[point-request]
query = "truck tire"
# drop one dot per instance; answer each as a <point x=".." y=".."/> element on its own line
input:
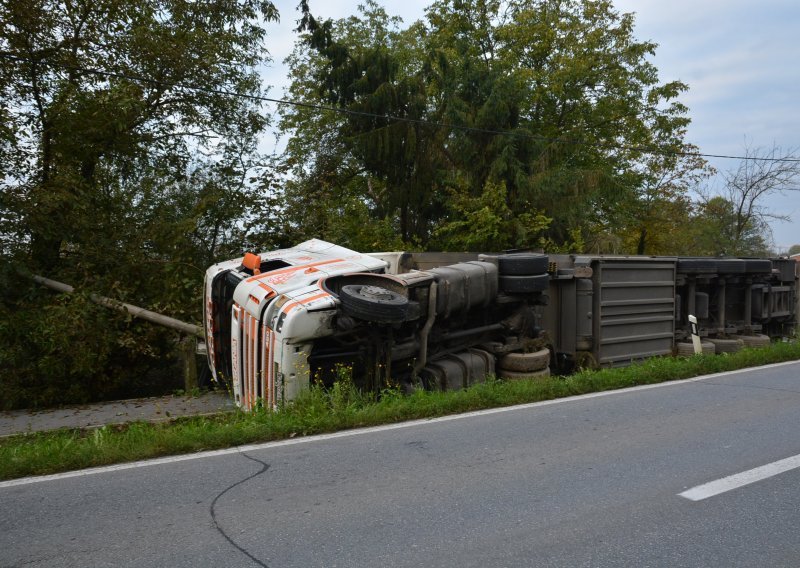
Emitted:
<point x="730" y="266"/>
<point x="373" y="303"/>
<point x="525" y="362"/>
<point x="524" y="284"/>
<point x="518" y="376"/>
<point x="727" y="345"/>
<point x="522" y="264"/>
<point x="758" y="340"/>
<point x="757" y="266"/>
<point x="696" y="266"/>
<point x="686" y="348"/>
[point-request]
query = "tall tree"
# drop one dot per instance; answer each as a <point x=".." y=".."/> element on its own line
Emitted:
<point x="378" y="74"/>
<point x="761" y="174"/>
<point x="716" y="231"/>
<point x="555" y="101"/>
<point x="655" y="220"/>
<point x="126" y="170"/>
<point x="94" y="93"/>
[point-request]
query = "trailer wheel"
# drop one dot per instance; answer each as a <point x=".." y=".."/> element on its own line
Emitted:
<point x="373" y="303"/>
<point x="525" y="362"/>
<point x="686" y="348"/>
<point x="727" y="345"/>
<point x="519" y="375"/>
<point x="522" y="264"/>
<point x="758" y="340"/>
<point x="730" y="266"/>
<point x="696" y="266"/>
<point x="524" y="284"/>
<point x="757" y="266"/>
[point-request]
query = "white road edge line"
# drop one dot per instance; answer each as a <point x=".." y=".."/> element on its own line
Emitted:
<point x="732" y="482"/>
<point x="370" y="430"/>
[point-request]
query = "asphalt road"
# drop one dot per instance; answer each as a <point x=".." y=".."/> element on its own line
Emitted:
<point x="594" y="481"/>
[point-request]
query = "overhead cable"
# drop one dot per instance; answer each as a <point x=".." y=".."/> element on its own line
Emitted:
<point x="652" y="150"/>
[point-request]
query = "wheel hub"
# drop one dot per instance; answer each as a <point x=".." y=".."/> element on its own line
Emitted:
<point x="376" y="293"/>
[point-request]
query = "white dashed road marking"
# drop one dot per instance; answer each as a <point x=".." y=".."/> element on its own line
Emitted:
<point x="741" y="479"/>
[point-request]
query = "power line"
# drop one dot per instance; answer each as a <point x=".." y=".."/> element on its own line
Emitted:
<point x="363" y="114"/>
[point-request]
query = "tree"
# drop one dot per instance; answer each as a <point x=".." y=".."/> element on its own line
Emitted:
<point x="94" y="95"/>
<point x="794" y="249"/>
<point x="715" y="231"/>
<point x="126" y="171"/>
<point x="377" y="74"/>
<point x="656" y="220"/>
<point x="762" y="173"/>
<point x="330" y="191"/>
<point x="554" y="101"/>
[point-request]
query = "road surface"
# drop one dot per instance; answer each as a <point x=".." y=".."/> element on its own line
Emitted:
<point x="699" y="473"/>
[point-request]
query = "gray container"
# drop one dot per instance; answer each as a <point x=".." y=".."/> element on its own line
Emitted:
<point x="463" y="286"/>
<point x="459" y="370"/>
<point x="634" y="309"/>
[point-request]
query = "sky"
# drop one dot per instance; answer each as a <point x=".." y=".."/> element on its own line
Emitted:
<point x="741" y="60"/>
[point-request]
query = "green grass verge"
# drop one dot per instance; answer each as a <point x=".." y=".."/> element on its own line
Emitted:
<point x="338" y="409"/>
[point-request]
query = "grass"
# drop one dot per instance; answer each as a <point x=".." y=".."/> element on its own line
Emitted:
<point x="339" y="408"/>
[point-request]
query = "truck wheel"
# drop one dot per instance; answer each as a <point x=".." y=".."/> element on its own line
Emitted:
<point x="754" y="340"/>
<point x="518" y="376"/>
<point x="696" y="266"/>
<point x="686" y="348"/>
<point x="727" y="345"/>
<point x="730" y="266"/>
<point x="524" y="284"/>
<point x="525" y="362"/>
<point x="757" y="266"/>
<point x="522" y="264"/>
<point x="373" y="303"/>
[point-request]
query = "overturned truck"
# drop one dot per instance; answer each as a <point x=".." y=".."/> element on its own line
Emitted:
<point x="280" y="321"/>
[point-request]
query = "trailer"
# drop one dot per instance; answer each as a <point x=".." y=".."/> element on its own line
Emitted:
<point x="280" y="321"/>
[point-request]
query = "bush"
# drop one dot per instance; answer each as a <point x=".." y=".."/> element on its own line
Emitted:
<point x="64" y="349"/>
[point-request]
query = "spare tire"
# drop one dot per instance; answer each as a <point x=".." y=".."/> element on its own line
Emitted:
<point x="373" y="303"/>
<point x="524" y="284"/>
<point x="525" y="362"/>
<point x="522" y="263"/>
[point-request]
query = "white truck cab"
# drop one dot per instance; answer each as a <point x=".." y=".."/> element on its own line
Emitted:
<point x="262" y="311"/>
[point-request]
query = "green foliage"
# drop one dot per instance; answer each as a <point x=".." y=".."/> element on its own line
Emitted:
<point x="716" y="231"/>
<point x="486" y="223"/>
<point x="124" y="187"/>
<point x="76" y="351"/>
<point x="548" y="100"/>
